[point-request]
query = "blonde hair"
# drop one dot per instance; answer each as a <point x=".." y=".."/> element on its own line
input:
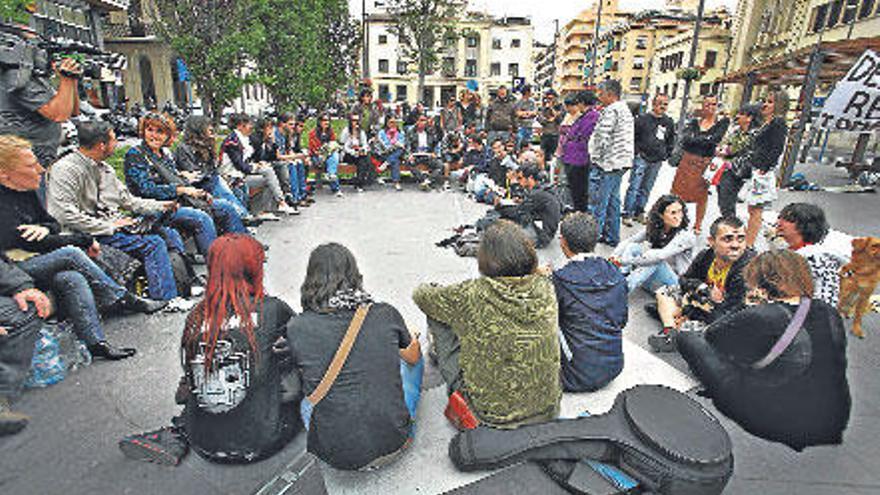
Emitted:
<point x="9" y="146"/>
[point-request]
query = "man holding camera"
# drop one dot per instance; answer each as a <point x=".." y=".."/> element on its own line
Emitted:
<point x="712" y="287"/>
<point x="30" y="106"/>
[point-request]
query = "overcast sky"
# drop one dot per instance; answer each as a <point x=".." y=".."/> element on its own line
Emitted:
<point x="544" y="12"/>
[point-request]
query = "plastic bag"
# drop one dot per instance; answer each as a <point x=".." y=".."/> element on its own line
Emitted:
<point x="56" y="353"/>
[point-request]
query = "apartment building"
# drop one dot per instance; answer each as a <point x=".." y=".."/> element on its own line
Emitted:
<point x="574" y="51"/>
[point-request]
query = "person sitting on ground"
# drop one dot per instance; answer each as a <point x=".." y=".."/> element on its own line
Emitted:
<point x="368" y="416"/>
<point x="233" y="407"/>
<point x="150" y="172"/>
<point x="495" y="337"/>
<point x="196" y="159"/>
<point x="356" y="151"/>
<point x="712" y="287"/>
<point x="324" y="152"/>
<point x="85" y="196"/>
<point x="392" y="144"/>
<point x="802" y="397"/>
<point x="656" y="256"/>
<point x="245" y="176"/>
<point x="452" y="149"/>
<point x="422" y="147"/>
<point x="539" y="204"/>
<point x="803" y="228"/>
<point x="58" y="262"/>
<point x="23" y="308"/>
<point x="591" y="293"/>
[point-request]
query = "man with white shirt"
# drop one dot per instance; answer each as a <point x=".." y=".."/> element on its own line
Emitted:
<point x="611" y="154"/>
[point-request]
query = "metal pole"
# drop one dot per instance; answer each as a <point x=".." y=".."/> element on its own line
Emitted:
<point x="366" y="40"/>
<point x="596" y="42"/>
<point x="807" y="92"/>
<point x="682" y="117"/>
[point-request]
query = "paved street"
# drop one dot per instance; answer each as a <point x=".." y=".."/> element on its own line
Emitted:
<point x="70" y="446"/>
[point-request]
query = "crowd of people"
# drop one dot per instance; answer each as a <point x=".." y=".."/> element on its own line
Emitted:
<point x="508" y="344"/>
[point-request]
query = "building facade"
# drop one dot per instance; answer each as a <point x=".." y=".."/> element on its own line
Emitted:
<point x="489" y="53"/>
<point x="671" y="56"/>
<point x="574" y="53"/>
<point x="543" y="65"/>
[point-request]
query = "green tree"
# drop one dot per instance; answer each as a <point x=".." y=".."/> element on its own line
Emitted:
<point x="421" y="26"/>
<point x="214" y="37"/>
<point x="305" y="51"/>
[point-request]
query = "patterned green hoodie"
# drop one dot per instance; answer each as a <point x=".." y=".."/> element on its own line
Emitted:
<point x="509" y="344"/>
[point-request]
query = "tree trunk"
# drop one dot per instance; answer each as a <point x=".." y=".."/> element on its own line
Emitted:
<point x="420" y="89"/>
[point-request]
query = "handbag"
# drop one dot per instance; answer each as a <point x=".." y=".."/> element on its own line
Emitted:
<point x="340" y="357"/>
<point x="785" y="340"/>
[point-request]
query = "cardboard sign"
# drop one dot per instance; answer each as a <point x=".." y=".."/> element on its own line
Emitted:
<point x="854" y="104"/>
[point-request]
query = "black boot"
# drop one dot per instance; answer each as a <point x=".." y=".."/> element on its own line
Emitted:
<point x="10" y="422"/>
<point x="130" y="303"/>
<point x="106" y="351"/>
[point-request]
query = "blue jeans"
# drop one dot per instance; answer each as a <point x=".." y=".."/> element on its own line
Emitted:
<point x="152" y="250"/>
<point x="641" y="181"/>
<point x="79" y="286"/>
<point x="393" y="160"/>
<point x="17" y="347"/>
<point x="197" y="223"/>
<point x="523" y="136"/>
<point x="297" y="171"/>
<point x="411" y="376"/>
<point x="226" y="217"/>
<point x="607" y="205"/>
<point x="651" y="277"/>
<point x="220" y="189"/>
<point x="331" y="165"/>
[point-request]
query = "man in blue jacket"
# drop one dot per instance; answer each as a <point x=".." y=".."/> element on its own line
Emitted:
<point x="592" y="297"/>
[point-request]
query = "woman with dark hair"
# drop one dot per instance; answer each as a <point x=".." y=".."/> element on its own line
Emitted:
<point x="735" y="153"/>
<point x="391" y="144"/>
<point x="698" y="142"/>
<point x="767" y="147"/>
<point x="356" y="149"/>
<point x="324" y="152"/>
<point x="495" y="336"/>
<point x="368" y="415"/>
<point x="234" y="411"/>
<point x="777" y="368"/>
<point x="196" y="159"/>
<point x="573" y="148"/>
<point x="658" y="255"/>
<point x="803" y="228"/>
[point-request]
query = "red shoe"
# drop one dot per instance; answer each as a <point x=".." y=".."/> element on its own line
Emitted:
<point x="459" y="413"/>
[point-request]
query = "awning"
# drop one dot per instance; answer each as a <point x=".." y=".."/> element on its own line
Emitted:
<point x="791" y="68"/>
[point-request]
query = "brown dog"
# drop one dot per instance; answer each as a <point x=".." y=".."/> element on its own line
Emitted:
<point x="858" y="279"/>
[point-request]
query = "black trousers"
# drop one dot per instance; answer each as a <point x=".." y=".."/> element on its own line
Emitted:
<point x="17" y="347"/>
<point x="728" y="190"/>
<point x="365" y="170"/>
<point x="549" y="143"/>
<point x="579" y="185"/>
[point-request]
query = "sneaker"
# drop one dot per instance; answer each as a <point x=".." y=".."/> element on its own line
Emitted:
<point x="268" y="216"/>
<point x="339" y="194"/>
<point x="425" y="185"/>
<point x="628" y="221"/>
<point x="11" y="422"/>
<point x="359" y="189"/>
<point x="196" y="291"/>
<point x="251" y="221"/>
<point x="380" y="181"/>
<point x="180" y="305"/>
<point x="640" y="218"/>
<point x="446" y="186"/>
<point x="397" y="186"/>
<point x="662" y="341"/>
<point x="163" y="446"/>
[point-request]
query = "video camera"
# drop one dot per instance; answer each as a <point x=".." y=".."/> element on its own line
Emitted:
<point x="34" y="56"/>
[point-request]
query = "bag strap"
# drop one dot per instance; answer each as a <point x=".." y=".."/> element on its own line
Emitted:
<point x="340" y="357"/>
<point x="794" y="326"/>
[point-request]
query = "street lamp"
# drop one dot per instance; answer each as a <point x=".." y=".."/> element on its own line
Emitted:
<point x="682" y="118"/>
<point x="596" y="41"/>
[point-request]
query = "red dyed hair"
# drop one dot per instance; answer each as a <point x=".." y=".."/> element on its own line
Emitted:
<point x="235" y="288"/>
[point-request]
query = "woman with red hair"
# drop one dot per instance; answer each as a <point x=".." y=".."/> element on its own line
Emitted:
<point x="231" y="390"/>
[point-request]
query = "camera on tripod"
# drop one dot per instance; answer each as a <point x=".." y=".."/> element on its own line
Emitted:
<point x="90" y="58"/>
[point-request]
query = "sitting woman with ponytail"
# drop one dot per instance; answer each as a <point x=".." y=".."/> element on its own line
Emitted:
<point x="234" y="411"/>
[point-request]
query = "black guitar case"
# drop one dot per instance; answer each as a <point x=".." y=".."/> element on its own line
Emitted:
<point x="659" y="436"/>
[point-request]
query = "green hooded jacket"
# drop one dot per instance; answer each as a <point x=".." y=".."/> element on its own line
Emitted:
<point x="509" y="344"/>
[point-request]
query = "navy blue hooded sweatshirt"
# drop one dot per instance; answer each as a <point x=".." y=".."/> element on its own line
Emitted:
<point x="592" y="297"/>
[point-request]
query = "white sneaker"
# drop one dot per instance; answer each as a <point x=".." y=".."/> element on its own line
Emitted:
<point x="339" y="194"/>
<point x="180" y="305"/>
<point x="359" y="189"/>
<point x="288" y="210"/>
<point x="196" y="290"/>
<point x="380" y="181"/>
<point x="397" y="186"/>
<point x="268" y="216"/>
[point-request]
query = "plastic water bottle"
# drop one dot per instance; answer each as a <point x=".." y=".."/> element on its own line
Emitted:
<point x="47" y="367"/>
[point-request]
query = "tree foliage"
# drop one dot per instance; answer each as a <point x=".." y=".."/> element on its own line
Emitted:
<point x="214" y="37"/>
<point x="306" y="49"/>
<point x="421" y="26"/>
